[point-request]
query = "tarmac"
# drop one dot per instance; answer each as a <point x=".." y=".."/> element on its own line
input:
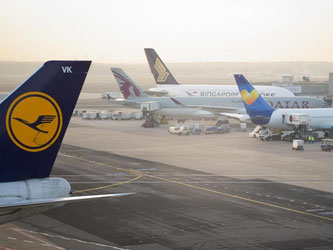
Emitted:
<point x="224" y="191"/>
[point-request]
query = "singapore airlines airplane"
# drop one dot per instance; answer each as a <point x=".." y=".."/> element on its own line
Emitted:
<point x="168" y="86"/>
<point x="33" y="122"/>
<point x="261" y="113"/>
<point x="202" y="107"/>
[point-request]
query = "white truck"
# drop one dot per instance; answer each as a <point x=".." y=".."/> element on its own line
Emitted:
<point x="298" y="145"/>
<point x="184" y="130"/>
<point x="174" y="129"/>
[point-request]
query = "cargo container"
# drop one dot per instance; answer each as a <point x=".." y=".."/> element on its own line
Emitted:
<point x="150" y="106"/>
<point x="296" y="119"/>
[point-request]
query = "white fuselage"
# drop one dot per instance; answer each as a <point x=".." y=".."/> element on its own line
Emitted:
<point x="319" y="119"/>
<point x="31" y="190"/>
<point x="171" y="109"/>
<point x="218" y="90"/>
<point x="186" y="113"/>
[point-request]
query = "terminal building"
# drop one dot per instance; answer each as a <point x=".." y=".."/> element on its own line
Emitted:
<point x="307" y="87"/>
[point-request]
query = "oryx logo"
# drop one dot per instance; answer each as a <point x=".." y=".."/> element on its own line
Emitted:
<point x="34" y="121"/>
<point x="161" y="70"/>
<point x="66" y="69"/>
<point x="126" y="87"/>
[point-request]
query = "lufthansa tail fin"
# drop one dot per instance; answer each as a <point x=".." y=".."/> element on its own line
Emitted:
<point x="257" y="108"/>
<point x="161" y="73"/>
<point x="129" y="89"/>
<point x="34" y="119"/>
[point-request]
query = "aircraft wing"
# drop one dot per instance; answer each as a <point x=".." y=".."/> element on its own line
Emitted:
<point x="239" y="117"/>
<point x="233" y="115"/>
<point x="215" y="109"/>
<point x="15" y="204"/>
<point x="157" y="93"/>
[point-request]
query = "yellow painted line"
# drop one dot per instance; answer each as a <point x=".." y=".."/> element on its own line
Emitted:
<point x="134" y="172"/>
<point x="240" y="197"/>
<point x="108" y="186"/>
<point x="131" y="171"/>
<point x="202" y="188"/>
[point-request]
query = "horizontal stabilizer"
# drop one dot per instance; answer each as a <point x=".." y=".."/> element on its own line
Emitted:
<point x="52" y="201"/>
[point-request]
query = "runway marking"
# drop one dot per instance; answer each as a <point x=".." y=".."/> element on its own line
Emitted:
<point x="315" y="210"/>
<point x="25" y="232"/>
<point x="326" y="213"/>
<point x="108" y="186"/>
<point x="133" y="172"/>
<point x="243" y="198"/>
<point x="6" y="248"/>
<point x="138" y="173"/>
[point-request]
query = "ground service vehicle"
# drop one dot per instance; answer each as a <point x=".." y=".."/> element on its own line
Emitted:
<point x="184" y="130"/>
<point x="298" y="145"/>
<point x="326" y="145"/>
<point x="268" y="135"/>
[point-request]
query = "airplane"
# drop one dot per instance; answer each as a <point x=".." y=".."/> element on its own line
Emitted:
<point x="167" y="85"/>
<point x="200" y="107"/>
<point x="261" y="113"/>
<point x="33" y="122"/>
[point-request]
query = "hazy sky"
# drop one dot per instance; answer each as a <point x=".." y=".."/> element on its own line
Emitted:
<point x="180" y="30"/>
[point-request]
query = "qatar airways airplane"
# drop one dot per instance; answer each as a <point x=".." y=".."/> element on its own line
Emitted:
<point x="168" y="86"/>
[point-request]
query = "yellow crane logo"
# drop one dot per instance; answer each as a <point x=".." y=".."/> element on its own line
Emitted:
<point x="34" y="121"/>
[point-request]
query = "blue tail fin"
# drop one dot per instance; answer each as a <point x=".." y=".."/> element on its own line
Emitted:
<point x="34" y="119"/>
<point x="129" y="88"/>
<point x="160" y="72"/>
<point x="257" y="108"/>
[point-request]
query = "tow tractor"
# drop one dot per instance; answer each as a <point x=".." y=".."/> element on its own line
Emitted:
<point x="267" y="135"/>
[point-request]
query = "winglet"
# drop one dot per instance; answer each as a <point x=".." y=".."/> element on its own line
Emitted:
<point x="160" y="72"/>
<point x="34" y="119"/>
<point x="257" y="108"/>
